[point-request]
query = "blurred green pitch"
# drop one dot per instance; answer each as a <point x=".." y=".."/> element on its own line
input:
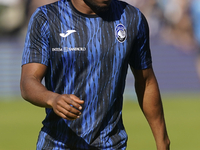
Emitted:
<point x="20" y="123"/>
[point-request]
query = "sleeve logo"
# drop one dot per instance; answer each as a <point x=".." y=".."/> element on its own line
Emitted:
<point x="120" y="33"/>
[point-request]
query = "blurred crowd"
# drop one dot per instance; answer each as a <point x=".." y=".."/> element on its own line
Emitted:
<point x="15" y="14"/>
<point x="170" y="19"/>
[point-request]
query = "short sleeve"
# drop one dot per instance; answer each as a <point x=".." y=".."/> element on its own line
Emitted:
<point x="36" y="48"/>
<point x="140" y="57"/>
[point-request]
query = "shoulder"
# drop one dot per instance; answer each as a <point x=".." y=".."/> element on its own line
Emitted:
<point x="46" y="12"/>
<point x="54" y="7"/>
<point x="127" y="11"/>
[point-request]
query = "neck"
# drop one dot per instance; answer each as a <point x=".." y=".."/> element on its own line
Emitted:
<point x="82" y="7"/>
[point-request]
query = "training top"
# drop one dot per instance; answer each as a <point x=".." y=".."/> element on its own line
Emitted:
<point x="88" y="56"/>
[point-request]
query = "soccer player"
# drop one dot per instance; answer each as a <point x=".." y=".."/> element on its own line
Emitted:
<point x="83" y="49"/>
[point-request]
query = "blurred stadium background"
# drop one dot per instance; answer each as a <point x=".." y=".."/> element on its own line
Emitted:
<point x="175" y="49"/>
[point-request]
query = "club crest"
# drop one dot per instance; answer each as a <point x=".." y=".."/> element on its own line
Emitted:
<point x="120" y="33"/>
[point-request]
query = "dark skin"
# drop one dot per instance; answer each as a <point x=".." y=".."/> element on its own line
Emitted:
<point x="149" y="98"/>
<point x="145" y="84"/>
<point x="31" y="77"/>
<point x="91" y="7"/>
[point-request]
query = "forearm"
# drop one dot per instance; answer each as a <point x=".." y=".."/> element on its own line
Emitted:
<point x="67" y="106"/>
<point x="36" y="93"/>
<point x="153" y="111"/>
<point x="151" y="105"/>
<point x="64" y="105"/>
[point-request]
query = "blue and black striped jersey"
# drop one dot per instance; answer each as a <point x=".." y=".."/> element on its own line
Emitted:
<point x="88" y="55"/>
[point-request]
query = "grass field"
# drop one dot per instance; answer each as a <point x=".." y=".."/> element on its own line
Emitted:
<point x="21" y="122"/>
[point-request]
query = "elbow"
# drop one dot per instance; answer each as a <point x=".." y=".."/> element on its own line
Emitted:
<point x="23" y="95"/>
<point x="23" y="91"/>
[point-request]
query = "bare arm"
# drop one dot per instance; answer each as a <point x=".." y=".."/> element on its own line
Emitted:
<point x="150" y="102"/>
<point x="34" y="92"/>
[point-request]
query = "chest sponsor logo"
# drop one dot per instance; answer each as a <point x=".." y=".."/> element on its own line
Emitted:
<point x="68" y="32"/>
<point x="69" y="49"/>
<point x="120" y="33"/>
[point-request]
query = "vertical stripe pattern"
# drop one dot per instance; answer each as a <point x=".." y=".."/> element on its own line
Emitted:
<point x="85" y="57"/>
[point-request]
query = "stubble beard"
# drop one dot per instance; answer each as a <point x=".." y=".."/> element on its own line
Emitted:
<point x="95" y="7"/>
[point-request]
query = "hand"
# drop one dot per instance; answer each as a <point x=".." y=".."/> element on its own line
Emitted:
<point x="67" y="106"/>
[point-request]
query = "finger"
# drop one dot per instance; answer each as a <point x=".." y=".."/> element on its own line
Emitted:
<point x="69" y="114"/>
<point x="66" y="117"/>
<point x="65" y="108"/>
<point x="74" y="101"/>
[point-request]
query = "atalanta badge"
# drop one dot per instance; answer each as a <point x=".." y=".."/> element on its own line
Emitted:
<point x="120" y="33"/>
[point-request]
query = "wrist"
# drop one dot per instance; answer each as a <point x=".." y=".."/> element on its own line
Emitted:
<point x="50" y="99"/>
<point x="164" y="144"/>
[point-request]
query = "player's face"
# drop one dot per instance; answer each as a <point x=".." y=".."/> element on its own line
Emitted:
<point x="98" y="5"/>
